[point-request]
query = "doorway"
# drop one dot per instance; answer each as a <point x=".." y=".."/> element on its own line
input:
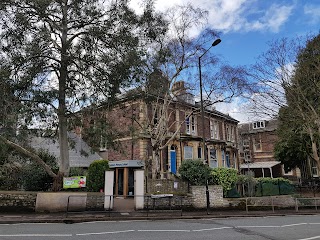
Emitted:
<point x="173" y="160"/>
<point x="124" y="182"/>
<point x="119" y="181"/>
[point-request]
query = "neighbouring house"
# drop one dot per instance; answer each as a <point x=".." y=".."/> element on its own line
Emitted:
<point x="256" y="150"/>
<point x="139" y="117"/>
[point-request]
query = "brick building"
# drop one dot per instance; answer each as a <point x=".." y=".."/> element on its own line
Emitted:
<point x="135" y="115"/>
<point x="256" y="149"/>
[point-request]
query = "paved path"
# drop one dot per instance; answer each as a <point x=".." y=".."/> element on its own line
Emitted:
<point x="123" y="204"/>
<point x="10" y="218"/>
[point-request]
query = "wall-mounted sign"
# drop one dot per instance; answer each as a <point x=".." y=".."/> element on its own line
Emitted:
<point x="126" y="163"/>
<point x="74" y="182"/>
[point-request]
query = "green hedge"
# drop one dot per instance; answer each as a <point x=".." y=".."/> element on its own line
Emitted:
<point x="225" y="177"/>
<point x="96" y="175"/>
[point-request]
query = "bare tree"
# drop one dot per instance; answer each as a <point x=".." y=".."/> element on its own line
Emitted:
<point x="175" y="58"/>
<point x="288" y="76"/>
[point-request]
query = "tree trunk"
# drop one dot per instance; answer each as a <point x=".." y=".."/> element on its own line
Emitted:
<point x="58" y="182"/>
<point x="314" y="149"/>
<point x="155" y="164"/>
<point x="63" y="132"/>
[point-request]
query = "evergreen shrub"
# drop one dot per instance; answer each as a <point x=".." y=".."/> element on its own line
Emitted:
<point x="194" y="171"/>
<point x="96" y="175"/>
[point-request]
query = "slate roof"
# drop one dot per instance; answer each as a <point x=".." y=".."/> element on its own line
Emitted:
<point x="80" y="155"/>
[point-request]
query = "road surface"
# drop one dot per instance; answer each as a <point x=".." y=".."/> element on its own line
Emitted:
<point x="257" y="228"/>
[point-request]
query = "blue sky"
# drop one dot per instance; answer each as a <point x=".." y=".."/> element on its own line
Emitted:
<point x="247" y="26"/>
<point x="293" y="18"/>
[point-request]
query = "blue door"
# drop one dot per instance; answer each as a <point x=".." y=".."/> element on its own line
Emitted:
<point x="173" y="158"/>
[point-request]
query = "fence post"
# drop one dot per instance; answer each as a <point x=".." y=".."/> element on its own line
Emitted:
<point x="181" y="203"/>
<point x="68" y="206"/>
<point x="247" y="210"/>
<point x="272" y="204"/>
<point x="313" y="188"/>
<point x="110" y="204"/>
<point x="148" y="198"/>
<point x="279" y="187"/>
<point x="261" y="186"/>
<point x="297" y="208"/>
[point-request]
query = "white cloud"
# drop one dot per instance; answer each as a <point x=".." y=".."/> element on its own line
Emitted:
<point x="276" y="16"/>
<point x="239" y="17"/>
<point x="235" y="109"/>
<point x="313" y="12"/>
<point x="234" y="15"/>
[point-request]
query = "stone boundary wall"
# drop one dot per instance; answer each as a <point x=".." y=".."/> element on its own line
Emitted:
<point x="196" y="199"/>
<point x="26" y="201"/>
<point x="95" y="201"/>
<point x="199" y="198"/>
<point x="12" y="201"/>
<point x="155" y="186"/>
<point x="17" y="201"/>
<point x="174" y="202"/>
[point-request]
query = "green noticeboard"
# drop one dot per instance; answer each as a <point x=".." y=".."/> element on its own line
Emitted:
<point x="74" y="182"/>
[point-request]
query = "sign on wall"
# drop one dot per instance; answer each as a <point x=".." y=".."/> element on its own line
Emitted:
<point x="74" y="182"/>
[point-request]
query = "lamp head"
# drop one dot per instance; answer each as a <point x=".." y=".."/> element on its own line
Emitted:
<point x="216" y="42"/>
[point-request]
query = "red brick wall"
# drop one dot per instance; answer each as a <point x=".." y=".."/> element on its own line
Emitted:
<point x="125" y="151"/>
<point x="268" y="140"/>
<point x="124" y="117"/>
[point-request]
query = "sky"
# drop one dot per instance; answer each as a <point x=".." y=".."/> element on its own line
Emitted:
<point x="246" y="27"/>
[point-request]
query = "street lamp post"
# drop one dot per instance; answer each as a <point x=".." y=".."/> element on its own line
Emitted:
<point x="215" y="43"/>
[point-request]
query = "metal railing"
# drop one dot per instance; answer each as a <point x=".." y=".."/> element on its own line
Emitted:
<point x="307" y="203"/>
<point x="274" y="202"/>
<point x="163" y="203"/>
<point x="89" y="204"/>
<point x="263" y="204"/>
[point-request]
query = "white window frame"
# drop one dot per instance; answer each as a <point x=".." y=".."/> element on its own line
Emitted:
<point x="228" y="130"/>
<point x="257" y="143"/>
<point x="258" y="124"/>
<point x="223" y="155"/>
<point x="213" y="160"/>
<point x="191" y="125"/>
<point x="214" y="129"/>
<point x="232" y="134"/>
<point x="247" y="157"/>
<point x="188" y="153"/>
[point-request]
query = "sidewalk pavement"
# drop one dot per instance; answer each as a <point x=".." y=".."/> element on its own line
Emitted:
<point x="76" y="217"/>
